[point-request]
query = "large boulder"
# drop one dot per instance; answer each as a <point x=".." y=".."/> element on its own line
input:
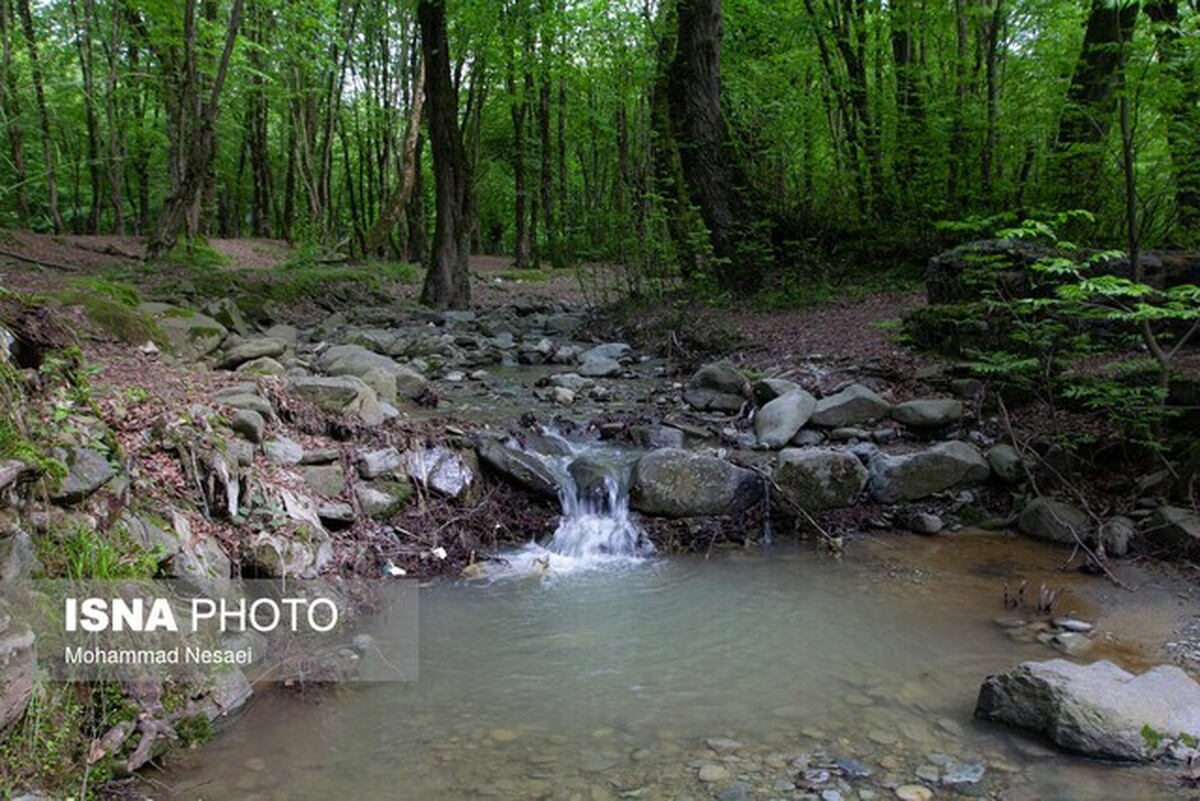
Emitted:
<point x="248" y="350"/>
<point x="1048" y="519"/>
<point x="1099" y="709"/>
<point x="344" y="395"/>
<point x="1174" y="528"/>
<point x="854" y="404"/>
<point x="443" y="470"/>
<point x="678" y="483"/>
<point x="186" y="553"/>
<point x="389" y="379"/>
<point x="820" y="478"/>
<point x="190" y="335"/>
<point x="779" y="419"/>
<point x="301" y="552"/>
<point x="912" y="476"/>
<point x="87" y="471"/>
<point x="523" y="469"/>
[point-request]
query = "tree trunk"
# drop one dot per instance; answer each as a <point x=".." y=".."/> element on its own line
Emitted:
<point x="517" y="107"/>
<point x="39" y="96"/>
<point x="1091" y="101"/>
<point x="706" y="158"/>
<point x="1183" y="108"/>
<point x="910" y="133"/>
<point x="993" y="25"/>
<point x="958" y="133"/>
<point x="257" y="117"/>
<point x="11" y="107"/>
<point x="394" y="211"/>
<point x="416" y="248"/>
<point x="84" y="24"/>
<point x="447" y="282"/>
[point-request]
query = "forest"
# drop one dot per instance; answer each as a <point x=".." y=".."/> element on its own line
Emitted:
<point x="729" y="146"/>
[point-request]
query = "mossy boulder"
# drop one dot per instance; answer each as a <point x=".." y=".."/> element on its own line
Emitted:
<point x="190" y="335"/>
<point x="820" y="478"/>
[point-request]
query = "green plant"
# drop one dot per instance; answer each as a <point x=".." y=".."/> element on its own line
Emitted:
<point x="84" y="553"/>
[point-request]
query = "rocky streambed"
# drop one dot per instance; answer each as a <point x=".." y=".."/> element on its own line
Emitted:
<point x="390" y="441"/>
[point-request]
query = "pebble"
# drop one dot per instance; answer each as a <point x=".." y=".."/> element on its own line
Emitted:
<point x="970" y="773"/>
<point x="502" y="735"/>
<point x="713" y="773"/>
<point x="851" y="767"/>
<point x="831" y="795"/>
<point x="1073" y="624"/>
<point x="913" y="792"/>
<point x="928" y="773"/>
<point x="722" y="744"/>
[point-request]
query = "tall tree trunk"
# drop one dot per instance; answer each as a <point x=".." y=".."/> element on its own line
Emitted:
<point x="910" y="132"/>
<point x="447" y="282"/>
<point x="993" y="26"/>
<point x="39" y="96"/>
<point x="394" y="211"/>
<point x="194" y="132"/>
<point x="958" y="133"/>
<point x="1091" y="101"/>
<point x="116" y="143"/>
<point x="257" y="119"/>
<point x="1183" y="109"/>
<point x="706" y="157"/>
<point x="11" y="108"/>
<point x="517" y="107"/>
<point x="84" y="23"/>
<point x="416" y="248"/>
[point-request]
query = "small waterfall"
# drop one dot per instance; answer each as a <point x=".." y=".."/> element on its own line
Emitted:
<point x="594" y="493"/>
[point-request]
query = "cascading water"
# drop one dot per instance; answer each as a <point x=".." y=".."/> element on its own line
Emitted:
<point x="596" y="527"/>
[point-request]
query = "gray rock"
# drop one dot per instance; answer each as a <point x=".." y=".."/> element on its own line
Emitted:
<point x="703" y="399"/>
<point x="249" y="349"/>
<point x="1006" y="463"/>
<point x="10" y="470"/>
<point x="336" y="513"/>
<point x="1115" y="534"/>
<point x="241" y="451"/>
<point x="779" y="420"/>
<point x="563" y="324"/>
<point x="87" y="471"/>
<point x="287" y="334"/>
<point x="187" y="554"/>
<point x="854" y="404"/>
<point x="381" y="499"/>
<point x="373" y="464"/>
<point x="229" y="690"/>
<point x="340" y="395"/>
<point x="600" y="368"/>
<point x="571" y="381"/>
<point x="960" y="773"/>
<point x="250" y="424"/>
<point x="284" y="451"/>
<point x="651" y="437"/>
<point x="18" y="666"/>
<point x="678" y="483"/>
<point x="1098" y="709"/>
<point x="922" y="523"/>
<point x="389" y="379"/>
<point x="328" y="480"/>
<point x="1048" y="519"/>
<point x="721" y="377"/>
<point x="246" y="400"/>
<point x="18" y="558"/>
<point x="766" y="390"/>
<point x="1174" y="528"/>
<point x="262" y="366"/>
<point x="820" y="478"/>
<point x="910" y="477"/>
<point x="443" y="470"/>
<point x="521" y="468"/>
<point x="609" y="351"/>
<point x="807" y="437"/>
<point x="300" y="553"/>
<point x="190" y="335"/>
<point x="226" y="312"/>
<point x="562" y="396"/>
<point x="929" y="413"/>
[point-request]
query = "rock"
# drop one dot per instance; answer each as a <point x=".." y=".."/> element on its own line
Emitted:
<point x="969" y="773"/>
<point x="300" y="553"/>
<point x="521" y="468"/>
<point x="922" y="523"/>
<point x="229" y="690"/>
<point x="287" y="334"/>
<point x="1115" y="534"/>
<point x="1098" y="709"/>
<point x="609" y="351"/>
<point x="226" y="312"/>
<point x="336" y="514"/>
<point x="928" y="414"/>
<point x="819" y="478"/>
<point x="713" y="773"/>
<point x="247" y="350"/>
<point x="562" y="396"/>
<point x="852" y="768"/>
<point x="18" y="666"/>
<point x="250" y="424"/>
<point x="807" y="438"/>
<point x="381" y="499"/>
<point x="187" y="554"/>
<point x="717" y="387"/>
<point x="10" y="470"/>
<point x="601" y="368"/>
<point x="1174" y="528"/>
<point x="87" y="471"/>
<point x="373" y="464"/>
<point x="440" y="469"/>
<point x="389" y="379"/>
<point x="1007" y="464"/>
<point x="18" y="558"/>
<point x="652" y="437"/>
<point x="262" y="366"/>
<point x="766" y="390"/>
<point x="779" y="420"/>
<point x="1048" y="519"/>
<point x="913" y="792"/>
<point x="246" y="400"/>
<point x="284" y="451"/>
<point x="678" y="483"/>
<point x="571" y="381"/>
<point x="327" y="480"/>
<point x="854" y="404"/>
<point x="190" y="335"/>
<point x="913" y="476"/>
<point x="340" y="395"/>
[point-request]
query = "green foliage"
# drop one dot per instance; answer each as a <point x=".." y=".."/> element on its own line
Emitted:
<point x="115" y="316"/>
<point x="195" y="254"/>
<point x="1151" y="737"/>
<point x="117" y="291"/>
<point x="194" y="730"/>
<point x="84" y="553"/>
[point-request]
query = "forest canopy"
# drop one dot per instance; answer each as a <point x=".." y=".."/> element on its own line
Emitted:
<point x="694" y="140"/>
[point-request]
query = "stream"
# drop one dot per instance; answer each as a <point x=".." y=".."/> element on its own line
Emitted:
<point x="740" y="676"/>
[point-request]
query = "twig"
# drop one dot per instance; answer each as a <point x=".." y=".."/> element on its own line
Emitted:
<point x="834" y="543"/>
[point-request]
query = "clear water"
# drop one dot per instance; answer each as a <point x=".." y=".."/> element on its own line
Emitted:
<point x="608" y="683"/>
